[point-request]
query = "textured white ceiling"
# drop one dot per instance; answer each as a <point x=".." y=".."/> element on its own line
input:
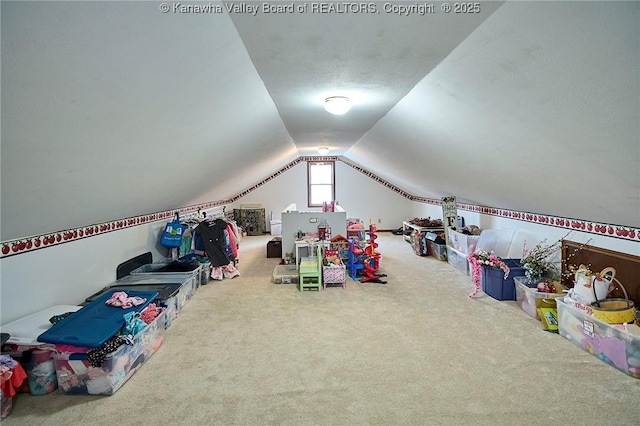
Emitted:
<point x="375" y="58"/>
<point x="114" y="109"/>
<point x="538" y="110"/>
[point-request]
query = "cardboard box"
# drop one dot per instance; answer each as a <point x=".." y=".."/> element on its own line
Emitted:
<point x="549" y="319"/>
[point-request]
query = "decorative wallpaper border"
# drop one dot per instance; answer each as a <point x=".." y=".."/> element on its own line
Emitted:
<point x="28" y="244"/>
<point x="377" y="178"/>
<point x="275" y="175"/>
<point x="598" y="228"/>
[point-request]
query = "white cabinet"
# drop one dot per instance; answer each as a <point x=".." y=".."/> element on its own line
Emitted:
<point x="308" y="222"/>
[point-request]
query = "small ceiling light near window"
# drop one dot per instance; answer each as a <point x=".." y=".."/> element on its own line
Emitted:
<point x="323" y="150"/>
<point x="337" y="105"/>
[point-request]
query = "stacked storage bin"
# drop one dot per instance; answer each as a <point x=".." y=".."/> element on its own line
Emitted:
<point x="614" y="344"/>
<point x="459" y="247"/>
<point x="90" y="328"/>
<point x="166" y="284"/>
<point x="205" y="267"/>
<point x="168" y="293"/>
<point x="187" y="267"/>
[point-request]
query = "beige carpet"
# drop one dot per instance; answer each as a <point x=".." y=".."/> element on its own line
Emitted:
<point x="416" y="351"/>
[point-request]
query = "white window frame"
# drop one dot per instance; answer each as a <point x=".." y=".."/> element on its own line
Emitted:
<point x="311" y="185"/>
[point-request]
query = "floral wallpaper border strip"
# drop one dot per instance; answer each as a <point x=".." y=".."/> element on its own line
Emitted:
<point x="28" y="244"/>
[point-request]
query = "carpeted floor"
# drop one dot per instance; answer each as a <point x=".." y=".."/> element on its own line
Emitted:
<point x="415" y="351"/>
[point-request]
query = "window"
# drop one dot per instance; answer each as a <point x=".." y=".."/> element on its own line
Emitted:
<point x="321" y="182"/>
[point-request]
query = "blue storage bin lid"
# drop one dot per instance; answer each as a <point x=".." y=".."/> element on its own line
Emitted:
<point x="94" y="323"/>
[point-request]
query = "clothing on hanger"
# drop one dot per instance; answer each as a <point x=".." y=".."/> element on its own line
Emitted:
<point x="214" y="241"/>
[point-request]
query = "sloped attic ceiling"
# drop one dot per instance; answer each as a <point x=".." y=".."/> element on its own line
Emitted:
<point x="114" y="109"/>
<point x="538" y="110"/>
<point x="528" y="105"/>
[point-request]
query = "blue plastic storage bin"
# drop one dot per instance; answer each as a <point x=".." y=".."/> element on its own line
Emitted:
<point x="95" y="323"/>
<point x="496" y="285"/>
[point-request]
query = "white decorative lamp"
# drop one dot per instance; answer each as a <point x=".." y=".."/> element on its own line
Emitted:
<point x="337" y="105"/>
<point x="323" y="150"/>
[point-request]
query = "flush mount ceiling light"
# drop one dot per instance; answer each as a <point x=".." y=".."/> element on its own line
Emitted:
<point x="323" y="150"/>
<point x="337" y="105"/>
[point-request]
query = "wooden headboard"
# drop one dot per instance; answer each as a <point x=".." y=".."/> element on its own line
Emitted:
<point x="627" y="266"/>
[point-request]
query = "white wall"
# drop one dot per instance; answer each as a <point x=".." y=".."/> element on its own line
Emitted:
<point x="70" y="272"/>
<point x="299" y="220"/>
<point x="424" y="210"/>
<point x="359" y="195"/>
<point x="67" y="274"/>
<point x="550" y="233"/>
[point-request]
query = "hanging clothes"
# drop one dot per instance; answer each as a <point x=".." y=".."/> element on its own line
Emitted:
<point x="197" y="244"/>
<point x="233" y="239"/>
<point x="215" y="241"/>
<point x="185" y="244"/>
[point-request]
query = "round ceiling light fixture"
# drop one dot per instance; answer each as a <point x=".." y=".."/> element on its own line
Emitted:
<point x="337" y="105"/>
<point x="323" y="150"/>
